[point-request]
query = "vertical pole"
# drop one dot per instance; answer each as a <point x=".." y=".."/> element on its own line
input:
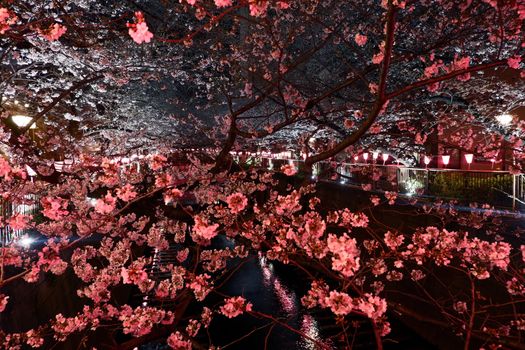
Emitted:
<point x="514" y="192"/>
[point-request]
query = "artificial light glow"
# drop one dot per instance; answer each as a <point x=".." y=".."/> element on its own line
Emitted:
<point x="446" y="159"/>
<point x="26" y="241"/>
<point x="23" y="121"/>
<point x="30" y="171"/>
<point x="365" y="156"/>
<point x="375" y="155"/>
<point x="426" y="160"/>
<point x="385" y="157"/>
<point x="469" y="157"/>
<point x="356" y="158"/>
<point x="504" y="119"/>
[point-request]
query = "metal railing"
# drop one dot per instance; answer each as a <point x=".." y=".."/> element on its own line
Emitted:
<point x="498" y="188"/>
<point x="29" y="206"/>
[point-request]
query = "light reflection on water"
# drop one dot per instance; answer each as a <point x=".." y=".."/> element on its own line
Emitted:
<point x="290" y="304"/>
<point x="286" y="297"/>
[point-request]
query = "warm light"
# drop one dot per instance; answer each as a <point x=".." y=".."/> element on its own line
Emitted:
<point x="446" y="159"/>
<point x="23" y="121"/>
<point x="469" y="157"/>
<point x="30" y="171"/>
<point x="365" y="156"/>
<point x="504" y="119"/>
<point x="426" y="160"/>
<point x="356" y="158"/>
<point x="385" y="157"/>
<point x="375" y="155"/>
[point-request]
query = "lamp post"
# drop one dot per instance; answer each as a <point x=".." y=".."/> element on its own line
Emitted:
<point x="356" y="158"/>
<point x="504" y="119"/>
<point x="365" y="156"/>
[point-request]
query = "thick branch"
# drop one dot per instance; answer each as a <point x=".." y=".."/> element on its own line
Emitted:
<point x="378" y="106"/>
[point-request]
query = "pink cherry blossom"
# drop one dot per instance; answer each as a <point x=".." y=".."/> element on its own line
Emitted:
<point x="288" y="169"/>
<point x="6" y="19"/>
<point x="5" y="168"/>
<point x="54" y="32"/>
<point x="258" y="8"/>
<point x="126" y="193"/>
<point x="54" y="208"/>
<point x="34" y="340"/>
<point x="171" y="195"/>
<point x="19" y="221"/>
<point x="203" y="230"/>
<point x="373" y="306"/>
<point x="340" y="303"/>
<point x="3" y="302"/>
<point x="345" y="253"/>
<point x="223" y="3"/>
<point x="235" y="306"/>
<point x="514" y="62"/>
<point x="360" y="39"/>
<point x="105" y="205"/>
<point x="139" y="31"/>
<point x="237" y="202"/>
<point x="177" y="342"/>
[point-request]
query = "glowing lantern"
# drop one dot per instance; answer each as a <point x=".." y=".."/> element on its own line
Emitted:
<point x="385" y="158"/>
<point x="445" y="159"/>
<point x="469" y="157"/>
<point x="426" y="160"/>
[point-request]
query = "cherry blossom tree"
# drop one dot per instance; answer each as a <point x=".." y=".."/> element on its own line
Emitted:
<point x="145" y="101"/>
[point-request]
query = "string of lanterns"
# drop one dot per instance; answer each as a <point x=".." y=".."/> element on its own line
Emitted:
<point x="375" y="155"/>
<point x="445" y="158"/>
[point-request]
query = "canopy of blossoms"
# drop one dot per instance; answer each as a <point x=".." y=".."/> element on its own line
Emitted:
<point x="143" y="104"/>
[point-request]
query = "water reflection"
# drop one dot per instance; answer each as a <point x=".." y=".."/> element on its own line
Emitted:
<point x="287" y="298"/>
<point x="291" y="305"/>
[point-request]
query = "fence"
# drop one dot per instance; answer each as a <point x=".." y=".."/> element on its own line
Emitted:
<point x="498" y="188"/>
<point x="29" y="206"/>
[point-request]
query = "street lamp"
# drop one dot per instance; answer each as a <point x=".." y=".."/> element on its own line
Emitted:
<point x="356" y="158"/>
<point x="504" y="119"/>
<point x="469" y="157"/>
<point x="375" y="155"/>
<point x="385" y="158"/>
<point x="23" y="121"/>
<point x="365" y="156"/>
